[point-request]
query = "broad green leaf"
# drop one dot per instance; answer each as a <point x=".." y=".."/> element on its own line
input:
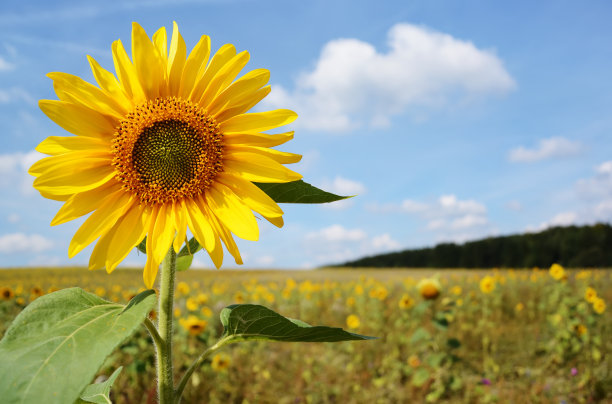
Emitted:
<point x="183" y="263"/>
<point x="420" y="334"/>
<point x="250" y="322"/>
<point x="55" y="346"/>
<point x="298" y="192"/>
<point x="99" y="393"/>
<point x="420" y="377"/>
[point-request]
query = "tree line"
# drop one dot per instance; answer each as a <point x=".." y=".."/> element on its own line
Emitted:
<point x="571" y="246"/>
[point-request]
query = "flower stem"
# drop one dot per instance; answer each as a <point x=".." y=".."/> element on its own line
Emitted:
<point x="165" y="377"/>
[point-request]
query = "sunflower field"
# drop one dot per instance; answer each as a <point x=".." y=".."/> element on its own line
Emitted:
<point x="536" y="335"/>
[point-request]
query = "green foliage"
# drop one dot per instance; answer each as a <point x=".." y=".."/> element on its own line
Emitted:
<point x="250" y="322"/>
<point x="99" y="393"/>
<point x="298" y="192"/>
<point x="57" y="343"/>
<point x="572" y="246"/>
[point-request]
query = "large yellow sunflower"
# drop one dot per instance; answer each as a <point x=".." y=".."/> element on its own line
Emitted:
<point x="165" y="146"/>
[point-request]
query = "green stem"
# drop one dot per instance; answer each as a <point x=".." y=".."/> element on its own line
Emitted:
<point x="196" y="364"/>
<point x="165" y="377"/>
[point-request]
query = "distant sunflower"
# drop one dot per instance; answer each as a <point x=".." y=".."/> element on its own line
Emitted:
<point x="429" y="288"/>
<point x="165" y="146"/>
<point x="487" y="284"/>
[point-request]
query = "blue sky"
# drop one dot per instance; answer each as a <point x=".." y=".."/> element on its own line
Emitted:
<point x="451" y="120"/>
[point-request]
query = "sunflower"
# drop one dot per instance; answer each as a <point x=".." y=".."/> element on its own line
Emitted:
<point x="164" y="147"/>
<point x="429" y="288"/>
<point x="487" y="284"/>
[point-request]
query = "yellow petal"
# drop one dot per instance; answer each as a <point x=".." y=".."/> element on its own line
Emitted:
<point x="258" y="168"/>
<point x="162" y="234"/>
<point x="276" y="155"/>
<point x="176" y="60"/>
<point x="228" y="240"/>
<point x="150" y="272"/>
<point x="79" y="120"/>
<point x="239" y="90"/>
<point x="84" y="202"/>
<point x="199" y="223"/>
<point x="78" y="160"/>
<point x="52" y="196"/>
<point x="251" y="195"/>
<point x="220" y="79"/>
<point x="244" y="106"/>
<point x="232" y="212"/>
<point x="60" y="181"/>
<point x="180" y="218"/>
<point x="147" y="62"/>
<point x="85" y="94"/>
<point x="160" y="39"/>
<point x="130" y="231"/>
<point x="97" y="260"/>
<point x="276" y="221"/>
<point x="100" y="221"/>
<point x="258" y="121"/>
<point x="223" y="55"/>
<point x="257" y="139"/>
<point x="54" y="145"/>
<point x="107" y="82"/>
<point x="195" y="62"/>
<point x="127" y="74"/>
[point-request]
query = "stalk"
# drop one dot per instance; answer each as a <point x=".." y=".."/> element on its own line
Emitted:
<point x="165" y="375"/>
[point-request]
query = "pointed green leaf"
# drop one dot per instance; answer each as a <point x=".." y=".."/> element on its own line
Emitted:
<point x="251" y="321"/>
<point x="99" y="393"/>
<point x="55" y="346"/>
<point x="142" y="247"/>
<point x="190" y="248"/>
<point x="298" y="192"/>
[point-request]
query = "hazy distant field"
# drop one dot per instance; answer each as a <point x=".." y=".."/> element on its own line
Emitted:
<point x="532" y="338"/>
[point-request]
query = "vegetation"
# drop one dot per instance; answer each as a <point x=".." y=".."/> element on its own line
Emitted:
<point x="464" y="336"/>
<point x="573" y="246"/>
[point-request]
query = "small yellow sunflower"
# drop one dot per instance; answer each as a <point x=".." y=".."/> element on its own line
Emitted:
<point x="165" y="146"/>
<point x="193" y="325"/>
<point x="220" y="362"/>
<point x="557" y="271"/>
<point x="6" y="293"/>
<point x="599" y="305"/>
<point x="405" y="302"/>
<point x="429" y="288"/>
<point x="590" y="294"/>
<point x="352" y="321"/>
<point x="487" y="284"/>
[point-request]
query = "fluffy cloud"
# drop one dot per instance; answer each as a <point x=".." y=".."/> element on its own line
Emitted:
<point x="598" y="186"/>
<point x="13" y="171"/>
<point x="336" y="244"/>
<point x="554" y="147"/>
<point x="345" y="187"/>
<point x="20" y="243"/>
<point x="5" y="65"/>
<point x="353" y="84"/>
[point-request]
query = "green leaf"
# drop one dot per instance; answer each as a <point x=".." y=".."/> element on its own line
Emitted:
<point x="420" y="334"/>
<point x="253" y="322"/>
<point x="453" y="343"/>
<point x="298" y="192"/>
<point x="190" y="248"/>
<point x="420" y="377"/>
<point x="99" y="393"/>
<point x="183" y="263"/>
<point x="142" y="247"/>
<point x="55" y="346"/>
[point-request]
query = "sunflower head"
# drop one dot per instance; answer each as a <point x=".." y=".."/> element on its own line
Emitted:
<point x="429" y="288"/>
<point x="163" y="147"/>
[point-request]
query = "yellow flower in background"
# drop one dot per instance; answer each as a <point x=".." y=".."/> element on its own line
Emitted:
<point x="429" y="288"/>
<point x="590" y="294"/>
<point x="350" y="301"/>
<point x="379" y="292"/>
<point x="202" y="298"/>
<point x="193" y="325"/>
<point x="519" y="307"/>
<point x="352" y="321"/>
<point x="487" y="284"/>
<point x="599" y="305"/>
<point x="206" y="311"/>
<point x="164" y="147"/>
<point x="177" y="312"/>
<point x="456" y="290"/>
<point x="191" y="304"/>
<point x="220" y="362"/>
<point x="557" y="272"/>
<point x="183" y="288"/>
<point x="406" y="302"/>
<point x="580" y="329"/>
<point x="414" y="361"/>
<point x="6" y="293"/>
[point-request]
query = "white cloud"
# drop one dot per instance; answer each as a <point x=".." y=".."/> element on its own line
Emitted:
<point x="554" y="147"/>
<point x="19" y="243"/>
<point x="5" y="65"/>
<point x="598" y="186"/>
<point x="344" y="186"/>
<point x="14" y="95"/>
<point x="514" y="205"/>
<point x="14" y="171"/>
<point x="336" y="244"/>
<point x="13" y="218"/>
<point x="353" y="84"/>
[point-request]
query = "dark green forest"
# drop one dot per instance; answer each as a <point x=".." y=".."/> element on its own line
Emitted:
<point x="572" y="246"/>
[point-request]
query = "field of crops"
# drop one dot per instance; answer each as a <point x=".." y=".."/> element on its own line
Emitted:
<point x="538" y="336"/>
